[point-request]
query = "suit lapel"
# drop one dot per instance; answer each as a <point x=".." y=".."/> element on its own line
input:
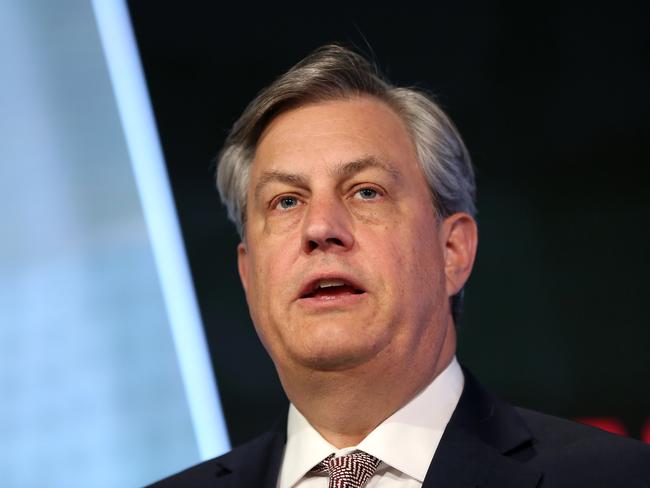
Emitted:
<point x="476" y="446"/>
<point x="475" y="450"/>
<point x="253" y="465"/>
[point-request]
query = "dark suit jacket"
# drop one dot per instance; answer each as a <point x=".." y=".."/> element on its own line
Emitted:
<point x="487" y="443"/>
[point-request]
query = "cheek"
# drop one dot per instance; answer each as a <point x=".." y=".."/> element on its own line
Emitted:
<point x="376" y="214"/>
<point x="259" y="303"/>
<point x="255" y="292"/>
<point x="419" y="259"/>
<point x="269" y="283"/>
<point x="280" y="225"/>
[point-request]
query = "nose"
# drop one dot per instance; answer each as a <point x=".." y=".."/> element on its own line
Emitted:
<point x="327" y="227"/>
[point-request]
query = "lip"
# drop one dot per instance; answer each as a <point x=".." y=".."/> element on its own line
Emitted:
<point x="340" y="303"/>
<point x="312" y="280"/>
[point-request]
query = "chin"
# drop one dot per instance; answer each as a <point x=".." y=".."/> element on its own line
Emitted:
<point x="332" y="343"/>
<point x="333" y="362"/>
<point x="331" y="355"/>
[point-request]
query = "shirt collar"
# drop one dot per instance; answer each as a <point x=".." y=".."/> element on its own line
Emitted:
<point x="419" y="425"/>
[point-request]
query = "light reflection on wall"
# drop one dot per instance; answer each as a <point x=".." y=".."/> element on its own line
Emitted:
<point x="90" y="384"/>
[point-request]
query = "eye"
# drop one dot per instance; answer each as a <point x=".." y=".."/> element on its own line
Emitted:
<point x="286" y="203"/>
<point x="367" y="194"/>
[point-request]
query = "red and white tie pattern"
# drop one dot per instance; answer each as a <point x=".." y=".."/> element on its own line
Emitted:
<point x="350" y="471"/>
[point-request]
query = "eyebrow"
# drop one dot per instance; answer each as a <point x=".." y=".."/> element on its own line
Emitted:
<point x="351" y="168"/>
<point x="343" y="171"/>
<point x="267" y="177"/>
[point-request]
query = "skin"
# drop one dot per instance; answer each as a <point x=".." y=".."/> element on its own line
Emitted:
<point x="336" y="190"/>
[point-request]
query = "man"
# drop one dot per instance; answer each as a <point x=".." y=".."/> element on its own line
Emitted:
<point x="354" y="200"/>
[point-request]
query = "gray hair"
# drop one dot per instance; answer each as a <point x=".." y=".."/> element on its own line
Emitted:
<point x="333" y="72"/>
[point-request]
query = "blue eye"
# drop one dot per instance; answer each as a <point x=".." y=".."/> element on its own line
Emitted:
<point x="367" y="193"/>
<point x="286" y="203"/>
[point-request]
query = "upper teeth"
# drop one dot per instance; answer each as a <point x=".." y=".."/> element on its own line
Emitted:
<point x="328" y="283"/>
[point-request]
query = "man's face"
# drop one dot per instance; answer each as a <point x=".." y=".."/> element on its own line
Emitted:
<point x="345" y="260"/>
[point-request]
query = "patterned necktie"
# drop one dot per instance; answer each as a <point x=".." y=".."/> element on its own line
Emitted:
<point x="351" y="471"/>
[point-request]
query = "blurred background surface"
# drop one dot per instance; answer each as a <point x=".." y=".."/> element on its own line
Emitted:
<point x="554" y="106"/>
<point x="92" y="384"/>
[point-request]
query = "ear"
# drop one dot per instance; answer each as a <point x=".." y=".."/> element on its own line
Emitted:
<point x="460" y="235"/>
<point x="243" y="265"/>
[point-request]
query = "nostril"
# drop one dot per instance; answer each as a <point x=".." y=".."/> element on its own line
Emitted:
<point x="336" y="241"/>
<point x="330" y="241"/>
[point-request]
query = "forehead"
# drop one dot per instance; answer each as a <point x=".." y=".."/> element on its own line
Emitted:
<point x="317" y="135"/>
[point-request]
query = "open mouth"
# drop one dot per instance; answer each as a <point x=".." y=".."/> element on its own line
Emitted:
<point x="331" y="288"/>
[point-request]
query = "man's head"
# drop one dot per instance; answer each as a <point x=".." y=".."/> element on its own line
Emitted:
<point x="354" y="200"/>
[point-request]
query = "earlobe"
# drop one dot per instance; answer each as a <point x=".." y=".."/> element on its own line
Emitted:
<point x="461" y="240"/>
<point x="242" y="264"/>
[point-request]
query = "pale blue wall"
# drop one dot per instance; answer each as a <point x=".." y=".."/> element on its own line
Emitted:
<point x="91" y="392"/>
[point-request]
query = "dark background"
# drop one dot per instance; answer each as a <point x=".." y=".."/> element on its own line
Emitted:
<point x="554" y="107"/>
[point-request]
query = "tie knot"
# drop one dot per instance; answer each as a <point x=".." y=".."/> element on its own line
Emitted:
<point x="350" y="471"/>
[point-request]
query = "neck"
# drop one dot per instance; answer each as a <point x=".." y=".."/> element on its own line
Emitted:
<point x="345" y="406"/>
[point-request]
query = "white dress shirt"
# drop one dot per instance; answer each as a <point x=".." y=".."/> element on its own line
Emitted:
<point x="404" y="443"/>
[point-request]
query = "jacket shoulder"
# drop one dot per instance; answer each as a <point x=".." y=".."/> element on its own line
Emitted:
<point x="255" y="457"/>
<point x="561" y="446"/>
